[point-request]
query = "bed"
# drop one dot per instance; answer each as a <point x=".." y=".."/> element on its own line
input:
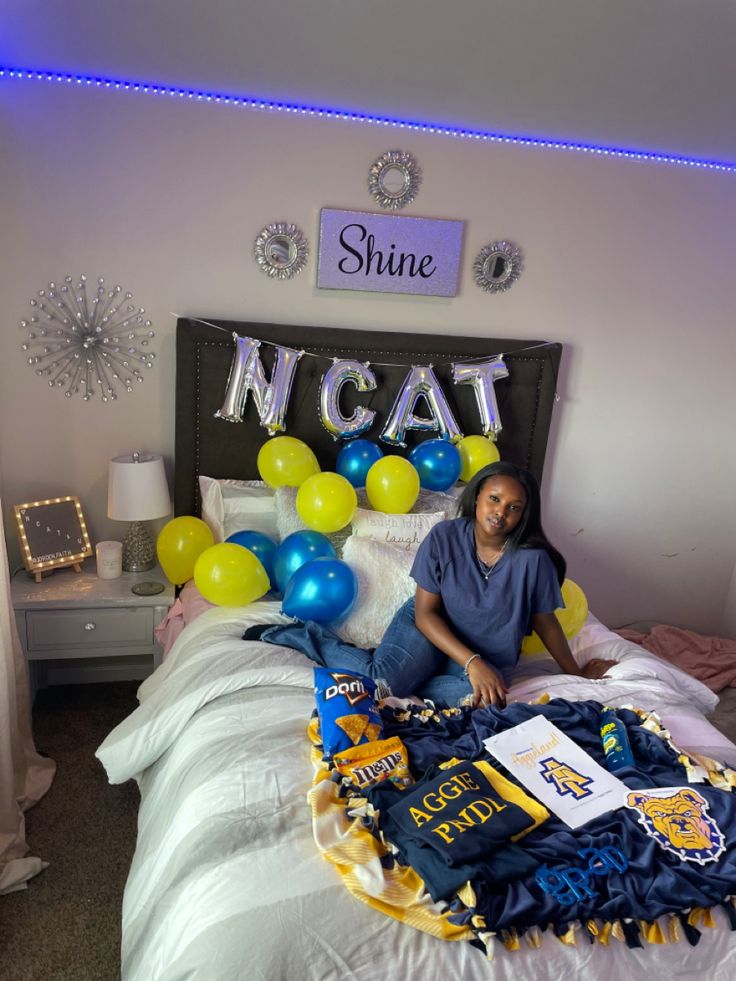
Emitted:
<point x="239" y="871"/>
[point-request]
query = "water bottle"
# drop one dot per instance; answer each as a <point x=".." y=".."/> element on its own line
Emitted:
<point x="615" y="740"/>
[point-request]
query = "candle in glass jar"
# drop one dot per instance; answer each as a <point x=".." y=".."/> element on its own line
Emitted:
<point x="109" y="559"/>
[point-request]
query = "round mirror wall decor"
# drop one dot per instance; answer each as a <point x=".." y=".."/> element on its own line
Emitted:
<point x="497" y="266"/>
<point x="394" y="179"/>
<point x="281" y="250"/>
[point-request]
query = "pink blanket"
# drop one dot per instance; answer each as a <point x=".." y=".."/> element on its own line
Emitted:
<point x="711" y="660"/>
<point x="187" y="607"/>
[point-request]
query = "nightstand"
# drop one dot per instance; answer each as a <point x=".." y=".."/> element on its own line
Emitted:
<point x="75" y="627"/>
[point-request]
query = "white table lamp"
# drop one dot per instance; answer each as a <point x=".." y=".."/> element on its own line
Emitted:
<point x="137" y="491"/>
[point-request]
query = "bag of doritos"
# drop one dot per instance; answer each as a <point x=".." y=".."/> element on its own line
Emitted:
<point x="370" y="763"/>
<point x="348" y="714"/>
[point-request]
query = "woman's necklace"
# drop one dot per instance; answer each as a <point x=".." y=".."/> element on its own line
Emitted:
<point x="485" y="568"/>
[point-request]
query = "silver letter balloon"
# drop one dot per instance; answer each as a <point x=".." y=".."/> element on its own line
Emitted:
<point x="482" y="377"/>
<point x="86" y="343"/>
<point x="421" y="382"/>
<point x="341" y="372"/>
<point x="247" y="375"/>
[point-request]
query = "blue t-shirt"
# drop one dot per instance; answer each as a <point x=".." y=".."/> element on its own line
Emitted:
<point x="491" y="615"/>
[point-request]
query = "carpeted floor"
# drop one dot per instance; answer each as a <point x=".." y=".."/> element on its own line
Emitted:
<point x="66" y="925"/>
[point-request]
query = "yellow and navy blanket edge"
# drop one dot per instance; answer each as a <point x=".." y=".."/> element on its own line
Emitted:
<point x="345" y="832"/>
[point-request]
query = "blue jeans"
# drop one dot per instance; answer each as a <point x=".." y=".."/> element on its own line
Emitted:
<point x="405" y="659"/>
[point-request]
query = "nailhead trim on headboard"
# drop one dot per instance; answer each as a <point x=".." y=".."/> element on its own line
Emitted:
<point x="221" y="449"/>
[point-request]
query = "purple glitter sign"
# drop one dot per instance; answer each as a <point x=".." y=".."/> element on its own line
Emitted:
<point x="388" y="253"/>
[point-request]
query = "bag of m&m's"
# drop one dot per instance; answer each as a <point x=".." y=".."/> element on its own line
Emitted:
<point x="373" y="762"/>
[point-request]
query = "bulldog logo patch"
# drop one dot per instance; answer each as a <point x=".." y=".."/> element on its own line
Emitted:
<point x="678" y="820"/>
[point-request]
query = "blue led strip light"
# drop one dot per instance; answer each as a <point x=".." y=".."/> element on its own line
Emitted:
<point x="247" y="102"/>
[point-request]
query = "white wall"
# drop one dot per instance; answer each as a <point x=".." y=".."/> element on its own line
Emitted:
<point x="629" y="265"/>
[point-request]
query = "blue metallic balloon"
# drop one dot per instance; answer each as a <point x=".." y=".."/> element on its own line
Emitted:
<point x="355" y="460"/>
<point x="323" y="590"/>
<point x="295" y="550"/>
<point x="438" y="463"/>
<point x="263" y="547"/>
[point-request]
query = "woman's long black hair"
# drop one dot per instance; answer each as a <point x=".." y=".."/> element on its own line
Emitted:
<point x="529" y="532"/>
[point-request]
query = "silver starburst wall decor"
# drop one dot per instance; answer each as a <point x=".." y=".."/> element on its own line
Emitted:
<point x="88" y="341"/>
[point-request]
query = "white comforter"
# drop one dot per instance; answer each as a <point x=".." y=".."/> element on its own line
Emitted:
<point x="226" y="882"/>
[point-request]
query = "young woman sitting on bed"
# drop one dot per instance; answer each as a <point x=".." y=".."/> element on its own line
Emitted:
<point x="484" y="579"/>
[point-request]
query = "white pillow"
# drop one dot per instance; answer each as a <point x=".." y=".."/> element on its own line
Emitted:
<point x="595" y="640"/>
<point x="384" y="584"/>
<point x="405" y="531"/>
<point x="238" y="505"/>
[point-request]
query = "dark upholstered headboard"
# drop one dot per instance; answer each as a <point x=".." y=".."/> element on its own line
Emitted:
<point x="212" y="446"/>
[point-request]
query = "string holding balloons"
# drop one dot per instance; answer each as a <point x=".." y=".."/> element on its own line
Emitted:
<point x="271" y="397"/>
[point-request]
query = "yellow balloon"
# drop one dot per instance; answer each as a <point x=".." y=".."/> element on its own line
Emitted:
<point x="180" y="543"/>
<point x="476" y="452"/>
<point x="285" y="461"/>
<point x="230" y="575"/>
<point x="326" y="502"/>
<point x="392" y="485"/>
<point x="571" y="617"/>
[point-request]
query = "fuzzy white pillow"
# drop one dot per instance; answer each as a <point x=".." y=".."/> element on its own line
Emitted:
<point x="384" y="584"/>
<point x="238" y="505"/>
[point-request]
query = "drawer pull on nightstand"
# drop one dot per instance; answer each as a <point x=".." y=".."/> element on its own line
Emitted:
<point x="90" y="626"/>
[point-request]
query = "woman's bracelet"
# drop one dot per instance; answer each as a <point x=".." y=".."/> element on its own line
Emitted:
<point x="468" y="663"/>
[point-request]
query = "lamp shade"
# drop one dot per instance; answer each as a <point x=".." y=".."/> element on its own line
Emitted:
<point x="137" y="489"/>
